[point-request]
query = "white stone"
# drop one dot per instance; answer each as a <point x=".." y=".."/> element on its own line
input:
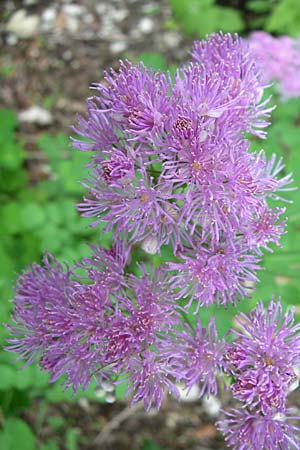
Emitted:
<point x="171" y="39"/>
<point x="101" y="8"/>
<point x="99" y="392"/>
<point x="72" y="24"/>
<point x="211" y="406"/>
<point x="110" y="398"/>
<point x="107" y="386"/>
<point x="22" y="25"/>
<point x="149" y="7"/>
<point x="74" y="10"/>
<point x="146" y="25"/>
<point x="118" y="47"/>
<point x="88" y="18"/>
<point x="84" y="403"/>
<point x="49" y="15"/>
<point x="118" y="15"/>
<point x="188" y="395"/>
<point x="12" y="39"/>
<point x="36" y="114"/>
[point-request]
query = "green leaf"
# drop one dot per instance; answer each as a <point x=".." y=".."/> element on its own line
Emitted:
<point x="285" y="18"/>
<point x="56" y="422"/>
<point x="120" y="390"/>
<point x="71" y="439"/>
<point x="24" y="378"/>
<point x="32" y="216"/>
<point x="7" y="376"/>
<point x="12" y="180"/>
<point x="150" y="445"/>
<point x="55" y="147"/>
<point x="18" y="217"/>
<point x="154" y="60"/>
<point x="259" y="6"/>
<point x="49" y="445"/>
<point x="17" y="435"/>
<point x="8" y="121"/>
<point x="11" y="218"/>
<point x="202" y="17"/>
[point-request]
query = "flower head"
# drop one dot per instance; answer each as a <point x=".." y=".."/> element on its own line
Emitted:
<point x="201" y="354"/>
<point x="245" y="431"/>
<point x="218" y="273"/>
<point x="263" y="356"/>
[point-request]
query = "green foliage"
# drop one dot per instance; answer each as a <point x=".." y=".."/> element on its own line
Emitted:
<point x="34" y="219"/>
<point x="43" y="217"/>
<point x="285" y="18"/>
<point x="200" y="17"/>
<point x="148" y="444"/>
<point x="16" y="435"/>
<point x="281" y="272"/>
<point x="259" y="6"/>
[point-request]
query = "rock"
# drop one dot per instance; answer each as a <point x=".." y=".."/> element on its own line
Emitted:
<point x="12" y="39"/>
<point x="36" y="114"/>
<point x="211" y="406"/>
<point x="48" y="18"/>
<point x="72" y="24"/>
<point x="118" y="15"/>
<point x="30" y="2"/>
<point x="118" y="47"/>
<point x="23" y="25"/>
<point x="148" y="8"/>
<point x="171" y="39"/>
<point x="88" y="19"/>
<point x="188" y="395"/>
<point x="110" y="398"/>
<point x="101" y="8"/>
<point x="146" y="25"/>
<point x="84" y="404"/>
<point x="74" y="10"/>
<point x="107" y="386"/>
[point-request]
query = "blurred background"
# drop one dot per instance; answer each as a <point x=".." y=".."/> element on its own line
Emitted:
<point x="51" y="51"/>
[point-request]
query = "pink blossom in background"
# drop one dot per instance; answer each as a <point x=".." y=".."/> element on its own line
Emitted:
<point x="279" y="58"/>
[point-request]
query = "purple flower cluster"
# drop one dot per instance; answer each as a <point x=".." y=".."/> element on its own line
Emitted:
<point x="106" y="324"/>
<point x="279" y="58"/>
<point x="171" y="164"/>
<point x="262" y="359"/>
<point x="247" y="431"/>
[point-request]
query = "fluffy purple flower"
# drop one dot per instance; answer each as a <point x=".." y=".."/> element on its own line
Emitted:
<point x="170" y="164"/>
<point x="263" y="356"/>
<point x="223" y="53"/>
<point x="174" y="161"/>
<point x="202" y="357"/>
<point x="245" y="431"/>
<point x="266" y="226"/>
<point x="278" y="59"/>
<point x="151" y="375"/>
<point x="41" y="294"/>
<point x="106" y="266"/>
<point x="101" y="327"/>
<point x="61" y="322"/>
<point x="141" y="209"/>
<point x="220" y="272"/>
<point x="136" y="99"/>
